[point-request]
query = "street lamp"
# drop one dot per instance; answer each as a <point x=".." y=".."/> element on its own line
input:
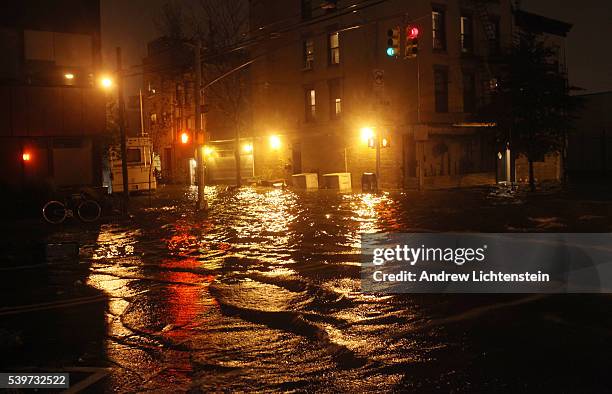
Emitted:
<point x="69" y="76"/>
<point x="367" y="133"/>
<point x="208" y="151"/>
<point x="106" y="82"/>
<point x="275" y="142"/>
<point x="247" y="148"/>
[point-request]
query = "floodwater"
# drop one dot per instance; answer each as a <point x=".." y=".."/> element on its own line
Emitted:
<point x="263" y="294"/>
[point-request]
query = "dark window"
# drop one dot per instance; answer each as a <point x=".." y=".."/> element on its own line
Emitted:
<point x="496" y="42"/>
<point x="308" y="53"/>
<point x="334" y="48"/>
<point x="335" y="99"/>
<point x="438" y="29"/>
<point x="469" y="92"/>
<point x="467" y="35"/>
<point x="441" y="89"/>
<point x="133" y="155"/>
<point x="311" y="104"/>
<point x="306" y="9"/>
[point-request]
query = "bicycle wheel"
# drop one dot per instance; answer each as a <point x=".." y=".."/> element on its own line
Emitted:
<point x="89" y="211"/>
<point x="54" y="212"/>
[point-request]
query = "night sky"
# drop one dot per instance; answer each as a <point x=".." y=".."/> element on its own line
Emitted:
<point x="131" y="24"/>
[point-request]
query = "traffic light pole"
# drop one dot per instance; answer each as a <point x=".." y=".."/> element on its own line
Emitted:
<point x="378" y="141"/>
<point x="121" y="105"/>
<point x="201" y="203"/>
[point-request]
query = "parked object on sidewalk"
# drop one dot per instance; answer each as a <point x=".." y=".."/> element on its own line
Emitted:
<point x="140" y="169"/>
<point x="86" y="209"/>
<point x="337" y="180"/>
<point x="307" y="180"/>
<point x="369" y="183"/>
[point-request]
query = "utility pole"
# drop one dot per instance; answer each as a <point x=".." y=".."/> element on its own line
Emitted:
<point x="199" y="135"/>
<point x="121" y="104"/>
<point x="378" y="142"/>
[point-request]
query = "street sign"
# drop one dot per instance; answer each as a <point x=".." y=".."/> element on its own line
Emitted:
<point x="379" y="81"/>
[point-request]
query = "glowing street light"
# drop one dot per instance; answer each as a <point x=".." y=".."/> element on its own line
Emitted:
<point x="208" y="151"/>
<point x="69" y="76"/>
<point x="247" y="148"/>
<point x="106" y="82"/>
<point x="184" y="138"/>
<point x="367" y="134"/>
<point x="275" y="142"/>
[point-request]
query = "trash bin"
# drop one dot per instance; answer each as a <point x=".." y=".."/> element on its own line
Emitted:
<point x="369" y="184"/>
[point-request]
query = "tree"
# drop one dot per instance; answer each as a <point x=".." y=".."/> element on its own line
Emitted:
<point x="531" y="103"/>
<point x="219" y="24"/>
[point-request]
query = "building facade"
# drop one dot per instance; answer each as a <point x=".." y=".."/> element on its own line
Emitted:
<point x="330" y="79"/>
<point x="169" y="112"/>
<point x="52" y="112"/>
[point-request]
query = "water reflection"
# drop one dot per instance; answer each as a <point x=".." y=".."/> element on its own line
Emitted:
<point x="278" y="266"/>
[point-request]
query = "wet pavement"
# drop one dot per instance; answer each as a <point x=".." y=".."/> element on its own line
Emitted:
<point x="263" y="294"/>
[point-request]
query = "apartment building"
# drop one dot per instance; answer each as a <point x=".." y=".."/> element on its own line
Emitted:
<point x="328" y="78"/>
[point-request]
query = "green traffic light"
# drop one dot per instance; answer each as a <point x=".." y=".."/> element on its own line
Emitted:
<point x="390" y="51"/>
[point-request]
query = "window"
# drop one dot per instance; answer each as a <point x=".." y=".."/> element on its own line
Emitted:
<point x="133" y="155"/>
<point x="467" y="37"/>
<point x="496" y="42"/>
<point x="306" y="9"/>
<point x="308" y="54"/>
<point x="335" y="99"/>
<point x="334" y="48"/>
<point x="441" y="89"/>
<point x="311" y="105"/>
<point x="438" y="29"/>
<point x="469" y="92"/>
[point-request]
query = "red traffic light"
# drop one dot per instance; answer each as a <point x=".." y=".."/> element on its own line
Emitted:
<point x="412" y="32"/>
<point x="26" y="156"/>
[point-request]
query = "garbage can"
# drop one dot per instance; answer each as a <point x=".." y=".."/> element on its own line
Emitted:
<point x="369" y="184"/>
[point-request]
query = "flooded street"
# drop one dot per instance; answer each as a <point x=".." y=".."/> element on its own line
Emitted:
<point x="263" y="293"/>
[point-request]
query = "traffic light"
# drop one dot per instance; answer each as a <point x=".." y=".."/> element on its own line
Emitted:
<point x="412" y="41"/>
<point x="385" y="143"/>
<point x="393" y="42"/>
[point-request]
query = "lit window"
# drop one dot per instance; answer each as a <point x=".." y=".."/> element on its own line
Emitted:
<point x="311" y="105"/>
<point x="308" y="54"/>
<point x="467" y="38"/>
<point x="335" y="95"/>
<point x="438" y="29"/>
<point x="334" y="48"/>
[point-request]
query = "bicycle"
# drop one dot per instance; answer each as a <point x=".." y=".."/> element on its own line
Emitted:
<point x="88" y="210"/>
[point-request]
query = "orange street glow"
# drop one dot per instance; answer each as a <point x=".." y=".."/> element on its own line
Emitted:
<point x="275" y="142"/>
<point x="247" y="148"/>
<point x="367" y="133"/>
<point x="106" y="82"/>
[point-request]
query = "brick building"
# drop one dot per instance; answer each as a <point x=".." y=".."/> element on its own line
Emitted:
<point x="169" y="108"/>
<point x="328" y="75"/>
<point x="52" y="114"/>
